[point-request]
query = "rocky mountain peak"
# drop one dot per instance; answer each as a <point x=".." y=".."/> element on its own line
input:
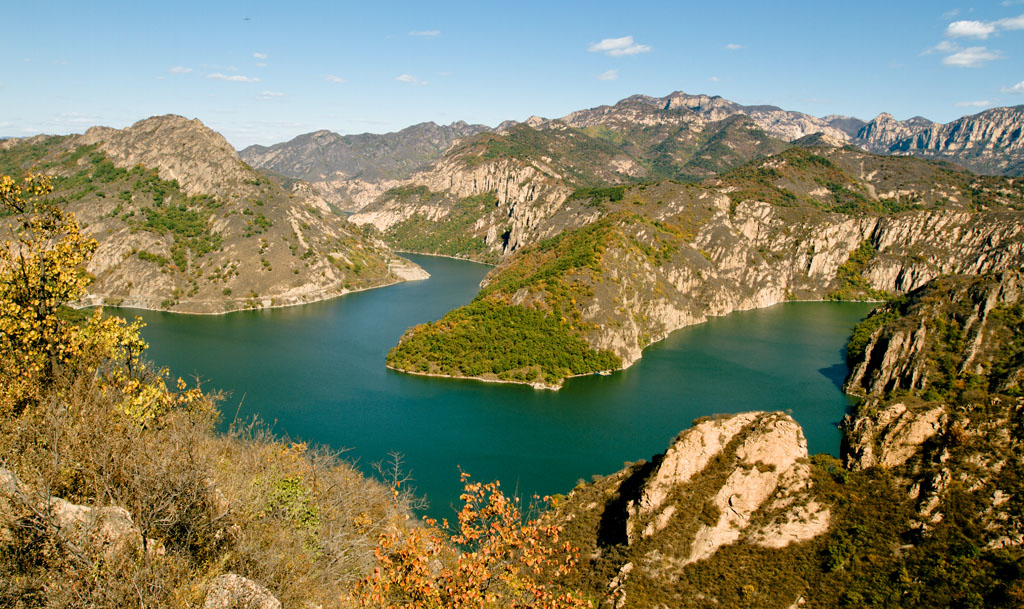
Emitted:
<point x="186" y="150"/>
<point x="920" y="121"/>
<point x="715" y="106"/>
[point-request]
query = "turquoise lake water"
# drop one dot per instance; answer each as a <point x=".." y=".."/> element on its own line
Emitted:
<point x="317" y="373"/>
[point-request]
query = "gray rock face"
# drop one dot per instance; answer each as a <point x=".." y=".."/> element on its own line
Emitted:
<point x="892" y="437"/>
<point x="232" y="591"/>
<point x="527" y="194"/>
<point x="783" y="124"/>
<point x="900" y="357"/>
<point x="759" y="255"/>
<point x="697" y="111"/>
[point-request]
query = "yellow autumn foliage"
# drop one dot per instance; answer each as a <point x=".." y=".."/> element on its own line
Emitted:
<point x="42" y="268"/>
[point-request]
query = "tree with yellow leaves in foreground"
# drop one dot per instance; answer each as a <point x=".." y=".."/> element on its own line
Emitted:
<point x="42" y="268"/>
<point x="494" y="558"/>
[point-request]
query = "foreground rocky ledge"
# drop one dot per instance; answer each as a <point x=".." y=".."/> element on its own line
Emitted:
<point x="730" y="481"/>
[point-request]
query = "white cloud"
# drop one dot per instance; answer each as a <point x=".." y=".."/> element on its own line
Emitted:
<point x="180" y="70"/>
<point x="409" y="79"/>
<point x="715" y="79"/>
<point x="970" y="29"/>
<point x="1011" y="23"/>
<point x="261" y="65"/>
<point x="235" y="78"/>
<point x="973" y="104"/>
<point x="425" y="33"/>
<point x="271" y="95"/>
<point x="983" y="29"/>
<point x="951" y="14"/>
<point x="732" y="46"/>
<point x="609" y="75"/>
<point x="943" y="47"/>
<point x="971" y="57"/>
<point x="335" y="79"/>
<point x="1017" y="88"/>
<point x="260" y="56"/>
<point x="617" y="47"/>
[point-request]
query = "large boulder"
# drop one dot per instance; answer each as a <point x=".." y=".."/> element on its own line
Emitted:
<point x="87" y="529"/>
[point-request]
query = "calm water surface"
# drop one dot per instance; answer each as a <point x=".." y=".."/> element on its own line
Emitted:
<point x="317" y="372"/>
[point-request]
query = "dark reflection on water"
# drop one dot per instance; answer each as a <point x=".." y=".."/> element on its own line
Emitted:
<point x="317" y="372"/>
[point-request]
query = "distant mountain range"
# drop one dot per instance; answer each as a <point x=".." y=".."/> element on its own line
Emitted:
<point x="336" y="163"/>
<point x="990" y="142"/>
<point x="681" y="136"/>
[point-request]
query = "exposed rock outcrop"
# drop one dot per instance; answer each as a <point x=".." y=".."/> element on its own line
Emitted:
<point x="762" y="455"/>
<point x="890" y="438"/>
<point x="783" y="124"/>
<point x="82" y="530"/>
<point x="732" y="480"/>
<point x="200" y="159"/>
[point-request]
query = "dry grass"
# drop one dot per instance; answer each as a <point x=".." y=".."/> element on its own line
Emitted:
<point x="301" y="521"/>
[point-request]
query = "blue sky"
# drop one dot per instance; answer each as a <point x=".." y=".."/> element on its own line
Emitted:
<point x="265" y="72"/>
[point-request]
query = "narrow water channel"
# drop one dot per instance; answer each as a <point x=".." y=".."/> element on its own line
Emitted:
<point x="316" y="372"/>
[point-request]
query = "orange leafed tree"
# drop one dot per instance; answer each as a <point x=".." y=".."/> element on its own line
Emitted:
<point x="494" y="558"/>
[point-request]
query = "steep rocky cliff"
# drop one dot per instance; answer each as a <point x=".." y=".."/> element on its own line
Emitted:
<point x="184" y="225"/>
<point x="625" y="268"/>
<point x="989" y="142"/>
<point x="941" y="372"/>
<point x="525" y="175"/>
